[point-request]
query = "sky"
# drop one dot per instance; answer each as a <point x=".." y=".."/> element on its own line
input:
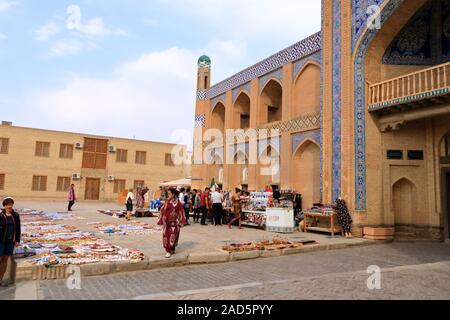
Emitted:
<point x="128" y="68"/>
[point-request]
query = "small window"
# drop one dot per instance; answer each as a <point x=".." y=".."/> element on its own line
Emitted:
<point x="2" y="181"/>
<point x="138" y="184"/>
<point x="415" y="155"/>
<point x="4" y="145"/>
<point x="119" y="186"/>
<point x="66" y="151"/>
<point x="42" y="149"/>
<point x="141" y="157"/>
<point x="63" y="184"/>
<point x="122" y="155"/>
<point x="169" y="160"/>
<point x="395" y="154"/>
<point x="39" y="183"/>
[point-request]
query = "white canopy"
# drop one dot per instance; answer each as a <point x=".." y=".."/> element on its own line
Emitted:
<point x="177" y="183"/>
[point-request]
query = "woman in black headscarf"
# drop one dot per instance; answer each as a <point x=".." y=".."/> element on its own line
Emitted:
<point x="344" y="218"/>
<point x="10" y="232"/>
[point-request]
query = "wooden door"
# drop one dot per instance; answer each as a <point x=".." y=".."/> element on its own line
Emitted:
<point x="92" y="189"/>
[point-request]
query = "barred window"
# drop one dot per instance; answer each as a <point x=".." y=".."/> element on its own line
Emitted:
<point x="141" y="157"/>
<point x="39" y="183"/>
<point x="169" y="160"/>
<point x="42" y="149"/>
<point x="63" y="183"/>
<point x="4" y="145"/>
<point x="119" y="185"/>
<point x="2" y="181"/>
<point x="122" y="155"/>
<point x="66" y="151"/>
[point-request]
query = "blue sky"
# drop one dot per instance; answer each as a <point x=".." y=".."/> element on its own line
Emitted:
<point x="128" y="69"/>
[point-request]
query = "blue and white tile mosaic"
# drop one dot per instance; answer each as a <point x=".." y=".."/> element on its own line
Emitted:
<point x="245" y="87"/>
<point x="360" y="16"/>
<point x="298" y="65"/>
<point x="295" y="52"/>
<point x="200" y="121"/>
<point x="299" y="138"/>
<point x="215" y="101"/>
<point x="277" y="74"/>
<point x="359" y="112"/>
<point x="336" y="123"/>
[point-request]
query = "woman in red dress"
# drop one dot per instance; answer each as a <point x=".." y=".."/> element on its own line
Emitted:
<point x="172" y="218"/>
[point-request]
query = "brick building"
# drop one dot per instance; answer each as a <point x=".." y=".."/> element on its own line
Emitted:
<point x="363" y="113"/>
<point x="42" y="164"/>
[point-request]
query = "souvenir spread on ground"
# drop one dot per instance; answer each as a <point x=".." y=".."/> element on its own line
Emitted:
<point x="276" y="243"/>
<point x="129" y="228"/>
<point x="139" y="213"/>
<point x="51" y="242"/>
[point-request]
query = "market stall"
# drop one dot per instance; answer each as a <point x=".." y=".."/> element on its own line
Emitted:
<point x="322" y="219"/>
<point x="50" y="242"/>
<point x="260" y="211"/>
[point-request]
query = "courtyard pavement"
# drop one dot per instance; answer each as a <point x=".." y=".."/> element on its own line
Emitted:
<point x="197" y="245"/>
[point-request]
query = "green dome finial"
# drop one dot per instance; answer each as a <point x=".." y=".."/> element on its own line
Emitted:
<point x="204" y="61"/>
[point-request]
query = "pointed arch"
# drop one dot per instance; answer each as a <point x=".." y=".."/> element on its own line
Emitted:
<point x="271" y="102"/>
<point x="404" y="202"/>
<point x="218" y="116"/>
<point x="306" y="172"/>
<point x="307" y="90"/>
<point x="241" y="111"/>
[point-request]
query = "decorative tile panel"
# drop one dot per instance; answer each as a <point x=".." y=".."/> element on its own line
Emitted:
<point x="295" y="52"/>
<point x="245" y="87"/>
<point x="359" y="113"/>
<point x="221" y="98"/>
<point x="298" y="65"/>
<point x="336" y="122"/>
<point x="277" y="74"/>
<point x="200" y="121"/>
<point x="299" y="138"/>
<point x="360" y="16"/>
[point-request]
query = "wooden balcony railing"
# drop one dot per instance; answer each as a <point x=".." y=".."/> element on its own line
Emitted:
<point x="416" y="86"/>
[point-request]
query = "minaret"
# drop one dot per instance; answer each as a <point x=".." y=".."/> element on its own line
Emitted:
<point x="204" y="73"/>
<point x="199" y="169"/>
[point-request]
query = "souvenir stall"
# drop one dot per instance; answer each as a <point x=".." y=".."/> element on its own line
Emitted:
<point x="261" y="211"/>
<point x="321" y="218"/>
<point x="50" y="241"/>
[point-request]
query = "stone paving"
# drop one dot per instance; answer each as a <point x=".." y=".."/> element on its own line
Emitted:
<point x="409" y="270"/>
<point x="194" y="239"/>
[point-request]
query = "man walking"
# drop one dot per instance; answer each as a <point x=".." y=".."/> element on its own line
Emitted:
<point x="217" y="207"/>
<point x="71" y="196"/>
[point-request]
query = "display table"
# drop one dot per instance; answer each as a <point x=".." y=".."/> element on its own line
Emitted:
<point x="280" y="220"/>
<point x="260" y="222"/>
<point x="334" y="228"/>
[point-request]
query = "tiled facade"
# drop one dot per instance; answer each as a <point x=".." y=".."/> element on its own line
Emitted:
<point x="353" y="147"/>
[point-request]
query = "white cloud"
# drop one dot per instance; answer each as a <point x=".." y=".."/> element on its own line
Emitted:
<point x="3" y="36"/>
<point x="231" y="48"/>
<point x="96" y="28"/>
<point x="237" y="19"/>
<point x="45" y="32"/>
<point x="70" y="47"/>
<point x="155" y="94"/>
<point x="6" y="5"/>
